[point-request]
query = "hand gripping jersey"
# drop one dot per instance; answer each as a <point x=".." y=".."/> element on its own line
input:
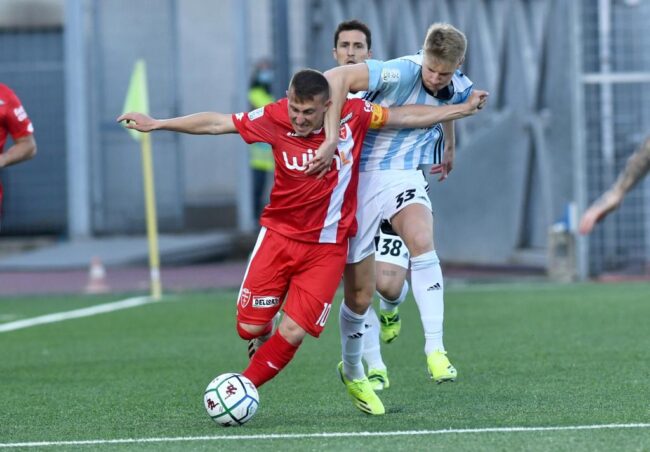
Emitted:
<point x="13" y="119"/>
<point x="399" y="82"/>
<point x="302" y="207"/>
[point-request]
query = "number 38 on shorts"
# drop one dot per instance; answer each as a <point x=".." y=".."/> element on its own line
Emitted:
<point x="391" y="249"/>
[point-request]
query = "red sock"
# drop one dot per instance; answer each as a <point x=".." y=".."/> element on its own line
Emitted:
<point x="270" y="359"/>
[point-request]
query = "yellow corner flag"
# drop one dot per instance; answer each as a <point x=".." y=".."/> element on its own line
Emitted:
<point x="137" y="99"/>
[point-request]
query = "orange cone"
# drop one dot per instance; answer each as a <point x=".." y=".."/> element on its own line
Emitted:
<point x="96" y="278"/>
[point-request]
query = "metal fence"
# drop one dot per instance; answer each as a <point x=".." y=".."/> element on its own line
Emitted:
<point x="569" y="94"/>
<point x="616" y="79"/>
<point x="568" y="81"/>
<point x="513" y="174"/>
<point x="117" y="183"/>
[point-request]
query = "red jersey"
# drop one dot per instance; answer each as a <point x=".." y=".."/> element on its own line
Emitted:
<point x="302" y="207"/>
<point x="13" y="119"/>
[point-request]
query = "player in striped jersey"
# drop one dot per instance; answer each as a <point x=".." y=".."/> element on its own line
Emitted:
<point x="391" y="186"/>
<point x="352" y="44"/>
<point x="301" y="250"/>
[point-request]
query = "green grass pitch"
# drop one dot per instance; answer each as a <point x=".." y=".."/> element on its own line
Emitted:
<point x="534" y="355"/>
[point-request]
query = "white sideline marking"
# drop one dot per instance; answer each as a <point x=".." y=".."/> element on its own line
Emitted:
<point x="77" y="313"/>
<point x="320" y="435"/>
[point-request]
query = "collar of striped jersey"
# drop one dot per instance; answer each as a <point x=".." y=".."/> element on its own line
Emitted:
<point x="445" y="93"/>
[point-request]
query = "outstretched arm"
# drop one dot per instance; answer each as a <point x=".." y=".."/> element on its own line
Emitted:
<point x="476" y="101"/>
<point x="206" y="123"/>
<point x="637" y="166"/>
<point x="342" y="80"/>
<point x="417" y="116"/>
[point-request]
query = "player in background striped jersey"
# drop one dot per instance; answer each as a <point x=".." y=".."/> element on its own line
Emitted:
<point x="352" y="45"/>
<point x="390" y="186"/>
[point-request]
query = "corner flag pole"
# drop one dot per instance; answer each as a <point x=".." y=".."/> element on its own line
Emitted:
<point x="137" y="99"/>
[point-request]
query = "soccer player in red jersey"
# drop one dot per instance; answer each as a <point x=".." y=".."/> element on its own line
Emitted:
<point x="15" y="122"/>
<point x="298" y="260"/>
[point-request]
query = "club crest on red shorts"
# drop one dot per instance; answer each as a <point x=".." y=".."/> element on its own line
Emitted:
<point x="244" y="298"/>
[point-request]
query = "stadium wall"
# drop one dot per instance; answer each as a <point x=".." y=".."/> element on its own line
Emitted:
<point x="568" y="81"/>
<point x="560" y="125"/>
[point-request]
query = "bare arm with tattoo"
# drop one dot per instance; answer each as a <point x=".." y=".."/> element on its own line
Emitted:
<point x="637" y="166"/>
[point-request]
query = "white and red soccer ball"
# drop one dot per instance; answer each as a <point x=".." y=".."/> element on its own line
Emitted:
<point x="231" y="399"/>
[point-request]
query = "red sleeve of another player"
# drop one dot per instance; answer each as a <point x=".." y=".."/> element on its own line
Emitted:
<point x="256" y="126"/>
<point x="18" y="122"/>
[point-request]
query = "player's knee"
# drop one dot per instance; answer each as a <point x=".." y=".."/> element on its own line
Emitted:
<point x="359" y="299"/>
<point x="358" y="295"/>
<point x="389" y="289"/>
<point x="291" y="331"/>
<point x="247" y="331"/>
<point x="420" y="242"/>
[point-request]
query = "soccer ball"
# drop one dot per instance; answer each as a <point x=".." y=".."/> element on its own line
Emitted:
<point x="231" y="399"/>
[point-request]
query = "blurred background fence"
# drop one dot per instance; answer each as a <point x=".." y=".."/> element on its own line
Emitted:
<point x="569" y="95"/>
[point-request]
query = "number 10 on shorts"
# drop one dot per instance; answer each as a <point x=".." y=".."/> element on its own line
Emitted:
<point x="327" y="307"/>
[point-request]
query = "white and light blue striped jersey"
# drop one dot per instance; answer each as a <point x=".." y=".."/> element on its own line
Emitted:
<point x="399" y="82"/>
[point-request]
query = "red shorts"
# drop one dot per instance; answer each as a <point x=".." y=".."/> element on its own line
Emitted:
<point x="303" y="275"/>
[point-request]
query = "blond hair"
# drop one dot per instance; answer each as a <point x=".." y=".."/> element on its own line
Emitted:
<point x="445" y="42"/>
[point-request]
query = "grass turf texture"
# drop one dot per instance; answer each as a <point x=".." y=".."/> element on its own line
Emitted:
<point x="527" y="355"/>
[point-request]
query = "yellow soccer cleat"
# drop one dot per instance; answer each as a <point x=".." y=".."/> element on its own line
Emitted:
<point x="378" y="379"/>
<point x="440" y="368"/>
<point x="363" y="397"/>
<point x="390" y="325"/>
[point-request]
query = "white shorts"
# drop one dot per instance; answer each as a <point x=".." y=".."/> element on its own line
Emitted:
<point x="381" y="195"/>
<point x="390" y="248"/>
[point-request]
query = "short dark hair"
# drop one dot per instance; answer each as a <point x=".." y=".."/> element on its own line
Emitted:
<point x="309" y="83"/>
<point x="353" y="24"/>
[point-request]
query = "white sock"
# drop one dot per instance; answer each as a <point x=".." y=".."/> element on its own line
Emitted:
<point x="428" y="289"/>
<point x="371" y="350"/>
<point x="390" y="305"/>
<point x="352" y="328"/>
